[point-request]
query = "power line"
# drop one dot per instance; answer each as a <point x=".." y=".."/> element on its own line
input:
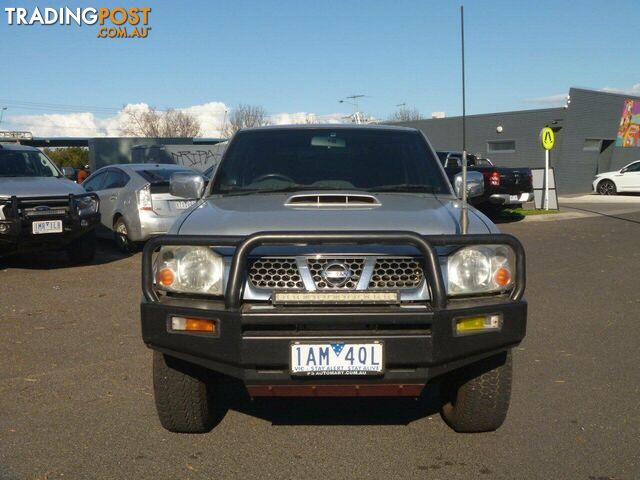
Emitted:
<point x="68" y="108"/>
<point x="47" y="124"/>
<point x="57" y="106"/>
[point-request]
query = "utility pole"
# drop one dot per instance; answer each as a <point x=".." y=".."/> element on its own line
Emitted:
<point x="224" y="122"/>
<point x="2" y="114"/>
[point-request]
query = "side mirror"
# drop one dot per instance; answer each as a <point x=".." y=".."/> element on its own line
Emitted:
<point x="69" y="172"/>
<point x="623" y="170"/>
<point x="475" y="184"/>
<point x="186" y="185"/>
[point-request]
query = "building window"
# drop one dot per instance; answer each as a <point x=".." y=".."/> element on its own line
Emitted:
<point x="592" y="144"/>
<point x="501" y="146"/>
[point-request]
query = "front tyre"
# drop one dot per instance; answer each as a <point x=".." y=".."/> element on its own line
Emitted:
<point x="121" y="236"/>
<point x="83" y="249"/>
<point x="184" y="395"/>
<point x="477" y="397"/>
<point x="607" y="187"/>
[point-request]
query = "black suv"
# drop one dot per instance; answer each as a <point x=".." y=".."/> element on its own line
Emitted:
<point x="41" y="209"/>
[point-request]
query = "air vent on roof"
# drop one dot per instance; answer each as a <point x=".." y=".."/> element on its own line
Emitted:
<point x="332" y="200"/>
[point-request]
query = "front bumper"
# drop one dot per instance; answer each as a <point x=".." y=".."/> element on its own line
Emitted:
<point x="18" y="235"/>
<point x="16" y="229"/>
<point x="253" y="344"/>
<point x="253" y="340"/>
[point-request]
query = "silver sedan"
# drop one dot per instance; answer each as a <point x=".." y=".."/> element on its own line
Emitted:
<point x="135" y="202"/>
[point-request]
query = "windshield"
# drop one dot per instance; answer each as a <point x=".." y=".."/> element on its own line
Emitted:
<point x="26" y="163"/>
<point x="324" y="159"/>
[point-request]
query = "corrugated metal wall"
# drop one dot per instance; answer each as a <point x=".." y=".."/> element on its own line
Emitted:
<point x="521" y="127"/>
<point x="590" y="115"/>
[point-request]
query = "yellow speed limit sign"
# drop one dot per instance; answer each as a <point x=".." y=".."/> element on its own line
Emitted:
<point x="548" y="138"/>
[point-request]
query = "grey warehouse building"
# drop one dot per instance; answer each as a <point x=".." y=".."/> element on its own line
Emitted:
<point x="587" y="137"/>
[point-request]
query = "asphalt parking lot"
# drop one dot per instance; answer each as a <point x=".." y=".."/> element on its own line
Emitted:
<point x="76" y="396"/>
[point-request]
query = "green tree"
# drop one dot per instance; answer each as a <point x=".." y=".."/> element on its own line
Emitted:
<point x="76" y="157"/>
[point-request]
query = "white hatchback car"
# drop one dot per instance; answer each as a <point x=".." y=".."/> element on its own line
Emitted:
<point x="625" y="180"/>
<point x="135" y="203"/>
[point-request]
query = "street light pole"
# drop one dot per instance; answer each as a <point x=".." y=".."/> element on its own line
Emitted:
<point x="2" y="114"/>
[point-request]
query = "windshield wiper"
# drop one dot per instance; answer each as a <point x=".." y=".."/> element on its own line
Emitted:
<point x="297" y="187"/>
<point x="404" y="187"/>
<point x="288" y="188"/>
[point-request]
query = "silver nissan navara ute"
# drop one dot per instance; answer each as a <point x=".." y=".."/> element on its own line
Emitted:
<point x="41" y="209"/>
<point x="330" y="261"/>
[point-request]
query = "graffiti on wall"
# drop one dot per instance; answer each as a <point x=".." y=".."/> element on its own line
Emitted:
<point x="629" y="128"/>
<point x="197" y="159"/>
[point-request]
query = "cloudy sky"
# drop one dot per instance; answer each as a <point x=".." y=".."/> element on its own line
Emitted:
<point x="87" y="124"/>
<point x="297" y="59"/>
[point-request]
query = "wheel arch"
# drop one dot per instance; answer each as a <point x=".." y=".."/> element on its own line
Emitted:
<point x="116" y="216"/>
<point x="607" y="179"/>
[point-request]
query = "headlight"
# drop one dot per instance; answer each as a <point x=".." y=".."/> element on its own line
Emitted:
<point x="480" y="269"/>
<point x="87" y="204"/>
<point x="189" y="270"/>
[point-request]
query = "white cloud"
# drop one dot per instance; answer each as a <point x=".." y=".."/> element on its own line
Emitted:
<point x="558" y="100"/>
<point x="210" y="115"/>
<point x="57" y="124"/>
<point x="306" y="117"/>
<point x="632" y="90"/>
<point x="86" y="124"/>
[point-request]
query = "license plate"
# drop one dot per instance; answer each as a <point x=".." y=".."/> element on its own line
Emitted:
<point x="183" y="204"/>
<point x="514" y="198"/>
<point x="337" y="358"/>
<point x="46" y="226"/>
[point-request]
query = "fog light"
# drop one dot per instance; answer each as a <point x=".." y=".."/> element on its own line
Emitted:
<point x="4" y="228"/>
<point x="478" y="324"/>
<point x="198" y="325"/>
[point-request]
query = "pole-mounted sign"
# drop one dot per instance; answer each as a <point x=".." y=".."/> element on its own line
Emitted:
<point x="547" y="139"/>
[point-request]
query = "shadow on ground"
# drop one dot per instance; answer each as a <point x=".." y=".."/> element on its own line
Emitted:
<point x="57" y="259"/>
<point x="504" y="217"/>
<point x="602" y="214"/>
<point x="331" y="411"/>
<point x="498" y="215"/>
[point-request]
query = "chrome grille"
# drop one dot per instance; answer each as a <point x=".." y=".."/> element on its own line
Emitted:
<point x="317" y="266"/>
<point x="275" y="273"/>
<point x="394" y="273"/>
<point x="308" y="273"/>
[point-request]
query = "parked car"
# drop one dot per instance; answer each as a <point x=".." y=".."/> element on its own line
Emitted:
<point x="626" y="179"/>
<point x="502" y="185"/>
<point x="41" y="209"/>
<point x="329" y="261"/>
<point x="135" y="202"/>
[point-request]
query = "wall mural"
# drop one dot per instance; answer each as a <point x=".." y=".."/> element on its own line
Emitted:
<point x="629" y="128"/>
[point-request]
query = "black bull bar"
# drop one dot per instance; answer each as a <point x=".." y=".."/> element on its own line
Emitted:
<point x="244" y="245"/>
